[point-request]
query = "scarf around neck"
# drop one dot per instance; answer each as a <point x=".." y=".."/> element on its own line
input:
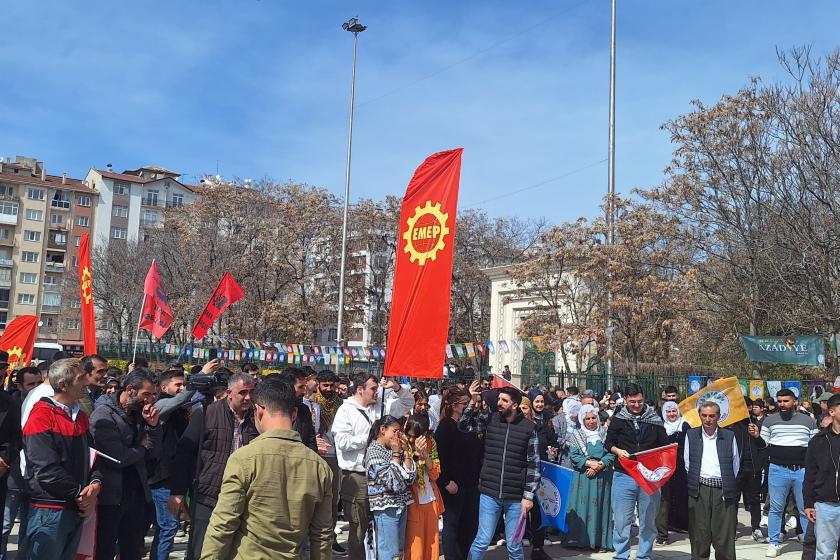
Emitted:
<point x="329" y="406"/>
<point x="648" y="416"/>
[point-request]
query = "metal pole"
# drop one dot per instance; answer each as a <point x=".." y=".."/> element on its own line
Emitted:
<point x="137" y="333"/>
<point x="354" y="27"/>
<point x="611" y="190"/>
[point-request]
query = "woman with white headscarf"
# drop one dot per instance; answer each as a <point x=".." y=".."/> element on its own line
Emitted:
<point x="672" y="513"/>
<point x="589" y="519"/>
<point x="571" y="408"/>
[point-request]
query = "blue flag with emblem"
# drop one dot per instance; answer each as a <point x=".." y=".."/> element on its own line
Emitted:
<point x="553" y="494"/>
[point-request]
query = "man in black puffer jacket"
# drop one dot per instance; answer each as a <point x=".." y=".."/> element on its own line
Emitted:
<point x="510" y="474"/>
<point x="124" y="426"/>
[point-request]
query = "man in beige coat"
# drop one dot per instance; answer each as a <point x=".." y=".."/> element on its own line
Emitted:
<point x="275" y="491"/>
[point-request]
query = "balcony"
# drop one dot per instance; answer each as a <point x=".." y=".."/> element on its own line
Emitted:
<point x="7" y="241"/>
<point x="6" y="262"/>
<point x="9" y="219"/>
<point x="54" y="245"/>
<point x="60" y="204"/>
<point x="4" y="304"/>
<point x="55" y="267"/>
<point x="6" y="282"/>
<point x="59" y="226"/>
<point x="9" y="197"/>
<point x="153" y="203"/>
<point x="173" y="205"/>
<point x="150" y="223"/>
<point x="50" y="308"/>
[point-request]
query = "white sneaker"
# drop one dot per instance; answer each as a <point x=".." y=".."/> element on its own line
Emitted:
<point x="772" y="551"/>
<point x="763" y="521"/>
<point x="791" y="523"/>
<point x="758" y="536"/>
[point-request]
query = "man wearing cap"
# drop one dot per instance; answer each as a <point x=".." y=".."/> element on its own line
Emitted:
<point x="822" y="403"/>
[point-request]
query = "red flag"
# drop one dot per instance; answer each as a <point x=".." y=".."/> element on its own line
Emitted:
<point x="652" y="468"/>
<point x="423" y="272"/>
<point x="499" y="382"/>
<point x="86" y="291"/>
<point x="226" y="294"/>
<point x="18" y="340"/>
<point x="157" y="315"/>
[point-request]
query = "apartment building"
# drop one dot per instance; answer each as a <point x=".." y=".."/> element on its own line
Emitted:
<point x="42" y="219"/>
<point x="132" y="202"/>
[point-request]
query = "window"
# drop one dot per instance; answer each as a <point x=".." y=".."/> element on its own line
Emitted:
<point x="77" y="240"/>
<point x="120" y="211"/>
<point x="35" y="215"/>
<point x="121" y="187"/>
<point x="35" y="194"/>
<point x="75" y="304"/>
<point x="71" y="324"/>
<point x="4" y="316"/>
<point x="83" y="221"/>
<point x="61" y="199"/>
<point x="30" y="256"/>
<point x="57" y="219"/>
<point x="52" y="299"/>
<point x="5" y="276"/>
<point x="119" y="233"/>
<point x="28" y="278"/>
<point x="50" y="280"/>
<point x="8" y="208"/>
<point x="26" y="299"/>
<point x="31" y="235"/>
<point x="75" y="262"/>
<point x="177" y="200"/>
<point x="7" y="190"/>
<point x="60" y="239"/>
<point x="152" y="197"/>
<point x="5" y="233"/>
<point x="150" y="218"/>
<point x="84" y="200"/>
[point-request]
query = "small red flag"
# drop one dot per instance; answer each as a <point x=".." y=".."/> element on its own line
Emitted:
<point x="226" y="294"/>
<point x="157" y="315"/>
<point x="86" y="291"/>
<point x="18" y="340"/>
<point x="652" y="468"/>
<point x="423" y="272"/>
<point x="499" y="382"/>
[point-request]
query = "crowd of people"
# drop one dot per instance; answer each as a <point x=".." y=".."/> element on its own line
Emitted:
<point x="264" y="465"/>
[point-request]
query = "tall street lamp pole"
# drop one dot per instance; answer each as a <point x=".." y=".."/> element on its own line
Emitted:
<point x="611" y="190"/>
<point x="353" y="26"/>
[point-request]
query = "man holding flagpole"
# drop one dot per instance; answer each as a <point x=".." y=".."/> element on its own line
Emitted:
<point x="635" y="428"/>
<point x="712" y="462"/>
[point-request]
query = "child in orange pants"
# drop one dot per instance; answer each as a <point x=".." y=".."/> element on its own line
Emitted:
<point x="421" y="534"/>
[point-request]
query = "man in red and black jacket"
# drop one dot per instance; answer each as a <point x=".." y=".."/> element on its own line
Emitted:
<point x="64" y="488"/>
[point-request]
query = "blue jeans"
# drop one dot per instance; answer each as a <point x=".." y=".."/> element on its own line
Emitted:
<point x="626" y="493"/>
<point x="489" y="510"/>
<point x="780" y="482"/>
<point x="390" y="532"/>
<point x="827" y="529"/>
<point x="53" y="534"/>
<point x="16" y="502"/>
<point x="167" y="525"/>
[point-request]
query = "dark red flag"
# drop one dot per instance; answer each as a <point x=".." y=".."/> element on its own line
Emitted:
<point x="18" y="340"/>
<point x="226" y="294"/>
<point x="157" y="315"/>
<point x="86" y="291"/>
<point x="652" y="468"/>
<point x="423" y="273"/>
<point x="499" y="382"/>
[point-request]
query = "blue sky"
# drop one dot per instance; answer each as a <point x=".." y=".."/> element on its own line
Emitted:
<point x="262" y="87"/>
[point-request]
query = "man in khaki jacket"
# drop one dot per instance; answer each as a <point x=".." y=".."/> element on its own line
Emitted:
<point x="275" y="491"/>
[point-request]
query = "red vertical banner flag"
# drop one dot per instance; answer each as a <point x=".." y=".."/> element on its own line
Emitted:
<point x="419" y="323"/>
<point x="18" y="340"/>
<point x="226" y="294"/>
<point x="86" y="293"/>
<point x="156" y="316"/>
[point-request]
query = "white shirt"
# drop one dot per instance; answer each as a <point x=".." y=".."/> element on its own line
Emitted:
<point x="352" y="423"/>
<point x="709" y="463"/>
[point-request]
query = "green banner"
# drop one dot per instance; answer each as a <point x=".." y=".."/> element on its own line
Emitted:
<point x="796" y="350"/>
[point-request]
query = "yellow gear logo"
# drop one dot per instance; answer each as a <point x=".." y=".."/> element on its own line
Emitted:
<point x="86" y="285"/>
<point x="16" y="357"/>
<point x="426" y="232"/>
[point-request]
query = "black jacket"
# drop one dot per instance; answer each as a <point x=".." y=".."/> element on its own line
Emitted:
<point x="11" y="438"/>
<point x="754" y="452"/>
<point x="460" y="454"/>
<point x="821" y="469"/>
<point x="545" y="434"/>
<point x="57" y="455"/>
<point x="203" y="451"/>
<point x="174" y="419"/>
<point x="305" y="427"/>
<point x="127" y="439"/>
<point x="623" y="435"/>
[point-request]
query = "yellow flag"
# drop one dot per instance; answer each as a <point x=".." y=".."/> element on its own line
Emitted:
<point x="726" y="393"/>
<point x="756" y="390"/>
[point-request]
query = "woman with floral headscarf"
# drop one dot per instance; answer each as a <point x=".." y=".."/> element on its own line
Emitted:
<point x="421" y="535"/>
<point x="589" y="518"/>
<point x="672" y="513"/>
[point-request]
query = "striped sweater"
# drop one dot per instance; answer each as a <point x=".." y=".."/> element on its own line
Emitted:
<point x="788" y="439"/>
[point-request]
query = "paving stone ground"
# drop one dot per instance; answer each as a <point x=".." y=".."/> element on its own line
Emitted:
<point x="677" y="549"/>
